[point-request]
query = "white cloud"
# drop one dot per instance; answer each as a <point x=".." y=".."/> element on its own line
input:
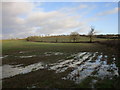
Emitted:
<point x="99" y="16"/>
<point x="15" y="8"/>
<point x="53" y="22"/>
<point x="83" y="6"/>
<point x="74" y="9"/>
<point x="25" y="19"/>
<point x="36" y="22"/>
<point x="113" y="11"/>
<point x="12" y="23"/>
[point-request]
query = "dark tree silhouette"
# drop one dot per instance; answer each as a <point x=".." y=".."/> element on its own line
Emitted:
<point x="74" y="36"/>
<point x="91" y="33"/>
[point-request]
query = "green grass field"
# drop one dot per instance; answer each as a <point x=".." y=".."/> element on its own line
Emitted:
<point x="13" y="46"/>
<point x="45" y="78"/>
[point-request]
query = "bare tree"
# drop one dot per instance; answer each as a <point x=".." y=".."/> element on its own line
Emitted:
<point x="74" y="36"/>
<point x="56" y="40"/>
<point x="91" y="33"/>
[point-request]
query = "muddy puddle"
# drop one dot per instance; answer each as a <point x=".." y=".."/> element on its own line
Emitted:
<point x="27" y="56"/>
<point x="52" y="53"/>
<point x="87" y="64"/>
<point x="12" y="70"/>
<point x="43" y="54"/>
<point x="83" y="64"/>
<point x="1" y="57"/>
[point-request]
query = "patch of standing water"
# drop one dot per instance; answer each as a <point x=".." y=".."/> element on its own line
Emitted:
<point x="3" y="56"/>
<point x="64" y="65"/>
<point x="27" y="56"/>
<point x="98" y="68"/>
<point x="52" y="53"/>
<point x="21" y="52"/>
<point x="10" y="70"/>
<point x="81" y="72"/>
<point x="83" y="65"/>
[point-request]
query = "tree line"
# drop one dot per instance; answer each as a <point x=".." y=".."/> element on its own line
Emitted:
<point x="73" y="37"/>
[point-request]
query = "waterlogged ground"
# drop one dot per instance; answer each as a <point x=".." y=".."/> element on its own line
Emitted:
<point x="41" y="69"/>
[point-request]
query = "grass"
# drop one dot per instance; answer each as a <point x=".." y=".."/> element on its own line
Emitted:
<point x="45" y="78"/>
<point x="106" y="83"/>
<point x="15" y="46"/>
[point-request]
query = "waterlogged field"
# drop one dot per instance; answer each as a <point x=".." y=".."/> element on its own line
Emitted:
<point x="58" y="65"/>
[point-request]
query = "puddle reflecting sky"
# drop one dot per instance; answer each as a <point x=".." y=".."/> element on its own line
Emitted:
<point x="12" y="70"/>
<point x="3" y="56"/>
<point x="52" y="53"/>
<point x="83" y="64"/>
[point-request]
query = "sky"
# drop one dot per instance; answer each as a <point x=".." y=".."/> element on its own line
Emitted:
<point x="23" y="19"/>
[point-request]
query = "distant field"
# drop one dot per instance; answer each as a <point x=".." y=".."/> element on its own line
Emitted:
<point x="12" y="46"/>
<point x="65" y="39"/>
